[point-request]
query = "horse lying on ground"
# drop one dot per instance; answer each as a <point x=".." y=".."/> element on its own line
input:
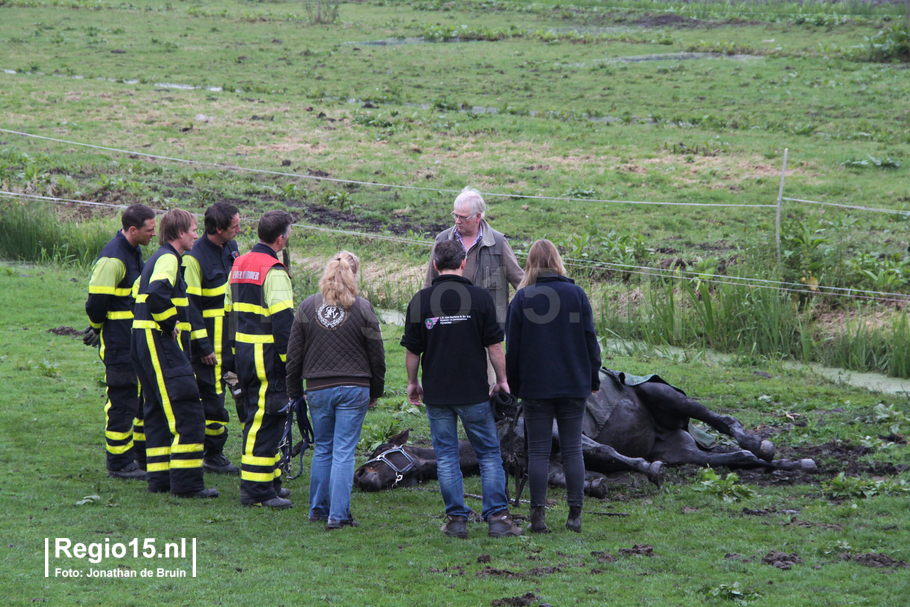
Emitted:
<point x="631" y="423"/>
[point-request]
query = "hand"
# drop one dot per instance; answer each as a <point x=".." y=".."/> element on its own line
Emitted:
<point x="91" y="337"/>
<point x="210" y="359"/>
<point x="175" y="333"/>
<point x="501" y="386"/>
<point x="415" y="394"/>
<point x="373" y="402"/>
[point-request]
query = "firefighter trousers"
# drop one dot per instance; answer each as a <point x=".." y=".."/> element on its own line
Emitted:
<point x="174" y="418"/>
<point x="216" y="416"/>
<point x="262" y="380"/>
<point x="123" y="430"/>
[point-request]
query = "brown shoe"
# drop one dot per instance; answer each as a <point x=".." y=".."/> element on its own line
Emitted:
<point x="455" y="526"/>
<point x="502" y="525"/>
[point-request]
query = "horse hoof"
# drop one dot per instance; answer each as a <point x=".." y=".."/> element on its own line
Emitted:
<point x="597" y="489"/>
<point x="655" y="472"/>
<point x="808" y="465"/>
<point x="766" y="451"/>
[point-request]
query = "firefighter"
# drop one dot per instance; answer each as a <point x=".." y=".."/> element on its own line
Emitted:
<point x="262" y="314"/>
<point x="110" y="311"/>
<point x="207" y="269"/>
<point x="174" y="418"/>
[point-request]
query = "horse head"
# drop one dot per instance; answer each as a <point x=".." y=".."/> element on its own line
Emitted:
<point x="392" y="464"/>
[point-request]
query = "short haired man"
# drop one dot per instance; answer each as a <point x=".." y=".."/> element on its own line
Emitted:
<point x="174" y="419"/>
<point x="207" y="270"/>
<point x="110" y="312"/>
<point x="490" y="263"/>
<point x="450" y="328"/>
<point x="262" y="315"/>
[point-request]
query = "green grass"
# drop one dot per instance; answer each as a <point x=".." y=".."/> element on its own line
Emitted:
<point x="52" y="453"/>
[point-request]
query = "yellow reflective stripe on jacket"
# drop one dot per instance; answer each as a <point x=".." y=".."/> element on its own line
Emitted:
<point x="250" y="308"/>
<point x="247" y="338"/>
<point x="146" y="324"/>
<point x="123" y="315"/>
<point x="180" y="302"/>
<point x="198" y="334"/>
<point x="104" y="290"/>
<point x="165" y="315"/>
<point x="184" y="326"/>
<point x="212" y="313"/>
<point x="141" y="298"/>
<point x="287" y="304"/>
<point x="96" y="325"/>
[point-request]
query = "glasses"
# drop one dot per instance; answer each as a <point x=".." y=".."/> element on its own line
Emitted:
<point x="456" y="216"/>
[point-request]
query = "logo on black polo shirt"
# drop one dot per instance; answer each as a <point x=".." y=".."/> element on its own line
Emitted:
<point x="431" y="322"/>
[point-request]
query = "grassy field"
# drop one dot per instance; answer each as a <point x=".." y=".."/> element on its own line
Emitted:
<point x="557" y="112"/>
<point x="706" y="549"/>
<point x="566" y="116"/>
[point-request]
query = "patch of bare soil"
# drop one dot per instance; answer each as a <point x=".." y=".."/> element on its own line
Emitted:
<point x="515" y="601"/>
<point x="874" y="559"/>
<point x="781" y="560"/>
<point x="638" y="550"/>
<point x="68" y="331"/>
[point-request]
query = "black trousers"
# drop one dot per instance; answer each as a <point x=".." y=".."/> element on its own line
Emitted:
<point x="123" y="414"/>
<point x="216" y="416"/>
<point x="174" y="418"/>
<point x="261" y="377"/>
<point x="539" y="415"/>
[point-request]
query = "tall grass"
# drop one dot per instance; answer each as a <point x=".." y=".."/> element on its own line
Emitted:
<point x="32" y="232"/>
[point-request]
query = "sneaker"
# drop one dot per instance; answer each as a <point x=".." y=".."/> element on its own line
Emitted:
<point x="502" y="525"/>
<point x="202" y="494"/>
<point x="455" y="526"/>
<point x="333" y="525"/>
<point x="278" y="503"/>
<point x="219" y="464"/>
<point x="131" y="471"/>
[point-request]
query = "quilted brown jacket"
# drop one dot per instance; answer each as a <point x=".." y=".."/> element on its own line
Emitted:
<point x="330" y="346"/>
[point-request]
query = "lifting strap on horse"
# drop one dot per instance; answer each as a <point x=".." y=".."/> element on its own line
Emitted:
<point x="296" y="407"/>
<point x="506" y="408"/>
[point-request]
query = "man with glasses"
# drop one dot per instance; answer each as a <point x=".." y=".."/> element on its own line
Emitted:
<point x="489" y="261"/>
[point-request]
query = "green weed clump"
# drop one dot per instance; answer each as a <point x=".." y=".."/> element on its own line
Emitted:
<point x="728" y="489"/>
<point x="31" y="232"/>
<point x="890" y="44"/>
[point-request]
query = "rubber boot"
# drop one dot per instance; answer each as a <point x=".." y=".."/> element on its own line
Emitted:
<point x="538" y="522"/>
<point x="573" y="523"/>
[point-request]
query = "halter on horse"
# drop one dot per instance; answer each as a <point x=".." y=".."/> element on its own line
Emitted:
<point x="399" y="472"/>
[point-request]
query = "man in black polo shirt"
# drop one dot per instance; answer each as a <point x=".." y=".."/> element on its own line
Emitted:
<point x="449" y="328"/>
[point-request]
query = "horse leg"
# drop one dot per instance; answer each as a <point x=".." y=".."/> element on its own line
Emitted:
<point x="664" y="400"/>
<point x="595" y="483"/>
<point x="679" y="448"/>
<point x="605" y="456"/>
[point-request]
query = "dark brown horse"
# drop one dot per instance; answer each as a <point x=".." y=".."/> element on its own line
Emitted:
<point x="631" y="423"/>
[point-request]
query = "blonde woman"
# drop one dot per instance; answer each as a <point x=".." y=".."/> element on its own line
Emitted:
<point x="553" y="363"/>
<point x="337" y="347"/>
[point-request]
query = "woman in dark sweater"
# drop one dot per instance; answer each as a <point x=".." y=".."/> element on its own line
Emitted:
<point x="552" y="364"/>
<point x="336" y="346"/>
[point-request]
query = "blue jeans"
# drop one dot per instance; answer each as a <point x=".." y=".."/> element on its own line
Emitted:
<point x="569" y="414"/>
<point x="481" y="430"/>
<point x="337" y="415"/>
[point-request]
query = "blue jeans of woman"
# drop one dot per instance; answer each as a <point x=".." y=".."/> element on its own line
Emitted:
<point x="539" y="416"/>
<point x="337" y="415"/>
<point x="480" y="428"/>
